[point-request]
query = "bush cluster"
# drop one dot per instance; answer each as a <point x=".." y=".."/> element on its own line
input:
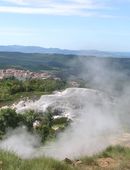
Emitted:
<point x="9" y="118"/>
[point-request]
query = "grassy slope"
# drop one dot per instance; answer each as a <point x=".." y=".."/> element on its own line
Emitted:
<point x="11" y="162"/>
<point x="113" y="158"/>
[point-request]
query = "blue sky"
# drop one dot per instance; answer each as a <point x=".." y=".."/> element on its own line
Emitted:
<point x="69" y="24"/>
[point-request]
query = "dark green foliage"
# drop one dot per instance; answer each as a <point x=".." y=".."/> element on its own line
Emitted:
<point x="35" y="61"/>
<point x="10" y="87"/>
<point x="49" y="119"/>
<point x="9" y="118"/>
<point x="44" y="132"/>
<point x="28" y="118"/>
<point x="45" y="120"/>
<point x="61" y="120"/>
<point x="47" y="85"/>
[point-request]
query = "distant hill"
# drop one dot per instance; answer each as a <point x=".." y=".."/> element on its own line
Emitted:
<point x="59" y="63"/>
<point x="35" y="61"/>
<point x="72" y="67"/>
<point x="36" y="49"/>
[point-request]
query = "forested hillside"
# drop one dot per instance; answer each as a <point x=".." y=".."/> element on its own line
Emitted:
<point x="63" y="65"/>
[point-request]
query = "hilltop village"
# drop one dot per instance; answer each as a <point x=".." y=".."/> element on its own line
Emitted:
<point x="24" y="74"/>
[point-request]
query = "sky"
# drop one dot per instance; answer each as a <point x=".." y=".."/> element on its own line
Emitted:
<point x="67" y="24"/>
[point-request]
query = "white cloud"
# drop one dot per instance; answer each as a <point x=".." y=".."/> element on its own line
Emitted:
<point x="53" y="11"/>
<point x="88" y="4"/>
<point x="53" y="7"/>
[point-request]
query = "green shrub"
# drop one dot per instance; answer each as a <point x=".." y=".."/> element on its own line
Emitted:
<point x="9" y="118"/>
<point x="61" y="120"/>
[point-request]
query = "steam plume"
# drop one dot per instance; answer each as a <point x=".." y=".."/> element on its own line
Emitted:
<point x="96" y="114"/>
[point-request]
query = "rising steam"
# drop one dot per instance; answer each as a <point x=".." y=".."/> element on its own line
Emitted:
<point x="96" y="114"/>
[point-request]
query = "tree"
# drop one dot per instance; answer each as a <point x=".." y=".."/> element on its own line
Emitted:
<point x="9" y="118"/>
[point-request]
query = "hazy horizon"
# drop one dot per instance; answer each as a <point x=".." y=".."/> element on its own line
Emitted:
<point x="69" y="49"/>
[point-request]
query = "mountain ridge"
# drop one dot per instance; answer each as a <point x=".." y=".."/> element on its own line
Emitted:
<point x="38" y="49"/>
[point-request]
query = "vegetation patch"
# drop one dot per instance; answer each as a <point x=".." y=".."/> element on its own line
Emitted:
<point x="119" y="160"/>
<point x="12" y="89"/>
<point x="9" y="161"/>
<point x="113" y="158"/>
<point x="38" y="123"/>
